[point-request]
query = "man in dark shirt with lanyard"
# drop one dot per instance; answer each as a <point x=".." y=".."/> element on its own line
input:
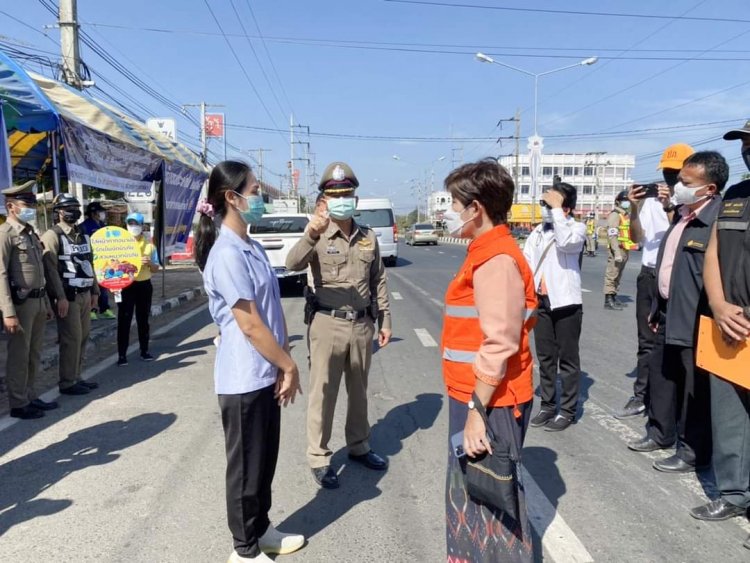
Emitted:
<point x="727" y="280"/>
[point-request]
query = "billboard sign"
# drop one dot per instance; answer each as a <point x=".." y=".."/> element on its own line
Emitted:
<point x="214" y="125"/>
<point x="164" y="125"/>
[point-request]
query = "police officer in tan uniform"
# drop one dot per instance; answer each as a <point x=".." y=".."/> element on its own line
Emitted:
<point x="350" y="295"/>
<point x="619" y="250"/>
<point x="73" y="289"/>
<point x="23" y="301"/>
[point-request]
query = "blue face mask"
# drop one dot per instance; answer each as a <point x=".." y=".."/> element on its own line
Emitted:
<point x="342" y="208"/>
<point x="26" y="214"/>
<point x="255" y="208"/>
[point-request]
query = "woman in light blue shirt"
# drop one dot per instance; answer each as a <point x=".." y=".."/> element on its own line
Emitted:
<point x="254" y="374"/>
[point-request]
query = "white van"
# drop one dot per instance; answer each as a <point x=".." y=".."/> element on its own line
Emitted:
<point x="377" y="213"/>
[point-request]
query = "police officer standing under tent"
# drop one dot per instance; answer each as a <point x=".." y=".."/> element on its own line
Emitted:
<point x="727" y="279"/>
<point x="648" y="223"/>
<point x="73" y="289"/>
<point x="350" y="294"/>
<point x="23" y="301"/>
<point x="620" y="245"/>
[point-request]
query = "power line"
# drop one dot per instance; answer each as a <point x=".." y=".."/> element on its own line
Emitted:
<point x="239" y="62"/>
<point x="566" y="12"/>
<point x="257" y="58"/>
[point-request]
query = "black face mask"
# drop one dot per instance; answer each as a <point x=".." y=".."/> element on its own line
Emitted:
<point x="670" y="177"/>
<point x="746" y="157"/>
<point x="71" y="216"/>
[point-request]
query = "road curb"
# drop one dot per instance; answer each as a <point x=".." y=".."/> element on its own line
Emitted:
<point x="51" y="357"/>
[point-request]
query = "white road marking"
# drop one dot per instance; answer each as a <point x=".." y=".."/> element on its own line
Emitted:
<point x="557" y="537"/>
<point x="441" y="252"/>
<point x="425" y="338"/>
<point x="585" y="290"/>
<point x="416" y="288"/>
<point x="396" y="296"/>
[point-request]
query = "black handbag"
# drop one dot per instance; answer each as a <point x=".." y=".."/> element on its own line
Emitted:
<point x="493" y="479"/>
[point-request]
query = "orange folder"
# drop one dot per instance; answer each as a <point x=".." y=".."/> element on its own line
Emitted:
<point x="717" y="357"/>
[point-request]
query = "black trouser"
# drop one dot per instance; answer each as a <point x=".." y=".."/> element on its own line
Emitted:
<point x="137" y="296"/>
<point x="644" y="297"/>
<point x="556" y="336"/>
<point x="252" y="425"/>
<point x="730" y="420"/>
<point x="103" y="300"/>
<point x="680" y="404"/>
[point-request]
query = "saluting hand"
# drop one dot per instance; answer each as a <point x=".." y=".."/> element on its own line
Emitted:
<point x="11" y="325"/>
<point x="318" y="224"/>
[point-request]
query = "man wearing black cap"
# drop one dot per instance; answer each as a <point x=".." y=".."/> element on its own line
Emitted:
<point x="350" y="293"/>
<point x="96" y="218"/>
<point x="23" y="301"/>
<point x="72" y="286"/>
<point x="727" y="279"/>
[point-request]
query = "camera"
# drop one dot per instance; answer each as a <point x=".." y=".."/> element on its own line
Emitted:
<point x="649" y="190"/>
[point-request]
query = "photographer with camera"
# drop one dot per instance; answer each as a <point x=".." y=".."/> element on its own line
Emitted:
<point x="649" y="221"/>
<point x="553" y="251"/>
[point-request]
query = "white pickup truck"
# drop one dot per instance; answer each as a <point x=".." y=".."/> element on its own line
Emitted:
<point x="278" y="233"/>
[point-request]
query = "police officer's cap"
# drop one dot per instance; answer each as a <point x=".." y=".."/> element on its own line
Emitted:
<point x="94" y="207"/>
<point x="24" y="193"/>
<point x="741" y="133"/>
<point x="337" y="178"/>
<point x="65" y="200"/>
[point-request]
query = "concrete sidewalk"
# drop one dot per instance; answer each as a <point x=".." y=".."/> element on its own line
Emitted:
<point x="179" y="285"/>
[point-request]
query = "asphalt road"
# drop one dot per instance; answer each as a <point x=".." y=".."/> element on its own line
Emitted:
<point x="134" y="472"/>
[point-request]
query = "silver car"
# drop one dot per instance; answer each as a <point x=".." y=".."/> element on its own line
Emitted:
<point x="422" y="233"/>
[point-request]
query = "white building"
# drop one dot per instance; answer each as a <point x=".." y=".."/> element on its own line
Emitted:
<point x="598" y="177"/>
<point x="437" y="204"/>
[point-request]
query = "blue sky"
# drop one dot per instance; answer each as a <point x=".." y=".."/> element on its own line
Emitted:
<point x="397" y="84"/>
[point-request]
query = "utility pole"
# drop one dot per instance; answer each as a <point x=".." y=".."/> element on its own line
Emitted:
<point x="598" y="180"/>
<point x="203" y="139"/>
<point x="260" y="163"/>
<point x="67" y="19"/>
<point x="291" y="159"/>
<point x="457" y="160"/>
<point x="517" y="174"/>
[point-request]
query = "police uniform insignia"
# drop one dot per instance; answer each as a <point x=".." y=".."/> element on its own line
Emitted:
<point x="338" y="174"/>
<point x="733" y="208"/>
<point x="364" y="243"/>
<point x="696" y="244"/>
<point x="332" y="250"/>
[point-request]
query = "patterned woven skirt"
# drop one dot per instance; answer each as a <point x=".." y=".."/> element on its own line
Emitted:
<point x="477" y="533"/>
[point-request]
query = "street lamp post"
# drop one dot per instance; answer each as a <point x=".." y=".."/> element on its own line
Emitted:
<point x="535" y="142"/>
<point x="422" y="187"/>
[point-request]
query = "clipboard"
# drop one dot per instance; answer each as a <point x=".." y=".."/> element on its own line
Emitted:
<point x="717" y="357"/>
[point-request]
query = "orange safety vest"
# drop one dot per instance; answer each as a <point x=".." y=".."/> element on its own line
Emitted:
<point x="462" y="333"/>
<point x="623" y="233"/>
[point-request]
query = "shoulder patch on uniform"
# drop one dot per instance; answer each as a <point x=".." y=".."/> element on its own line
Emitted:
<point x="612" y="231"/>
<point x="733" y="208"/>
<point x="364" y="242"/>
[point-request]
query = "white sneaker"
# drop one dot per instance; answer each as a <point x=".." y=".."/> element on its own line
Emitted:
<point x="237" y="558"/>
<point x="274" y="541"/>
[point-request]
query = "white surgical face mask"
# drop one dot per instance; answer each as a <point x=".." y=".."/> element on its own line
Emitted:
<point x="135" y="230"/>
<point x="454" y="223"/>
<point x="102" y="216"/>
<point x="683" y="195"/>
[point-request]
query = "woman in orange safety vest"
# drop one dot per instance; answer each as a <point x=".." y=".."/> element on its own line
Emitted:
<point x="489" y="309"/>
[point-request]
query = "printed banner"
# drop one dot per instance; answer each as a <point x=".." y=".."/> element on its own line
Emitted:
<point x="182" y="189"/>
<point x="96" y="159"/>
<point x="214" y="125"/>
<point x="6" y="177"/>
<point x="117" y="258"/>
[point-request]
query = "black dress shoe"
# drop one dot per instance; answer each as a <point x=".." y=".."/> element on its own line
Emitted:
<point x="326" y="477"/>
<point x="633" y="407"/>
<point x="646" y="444"/>
<point x="370" y="460"/>
<point x="89" y="384"/>
<point x="611" y="303"/>
<point x="26" y="413"/>
<point x="674" y="464"/>
<point x="44" y="405"/>
<point x="76" y="389"/>
<point x="717" y="510"/>
<point x="559" y="423"/>
<point x="542" y="418"/>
